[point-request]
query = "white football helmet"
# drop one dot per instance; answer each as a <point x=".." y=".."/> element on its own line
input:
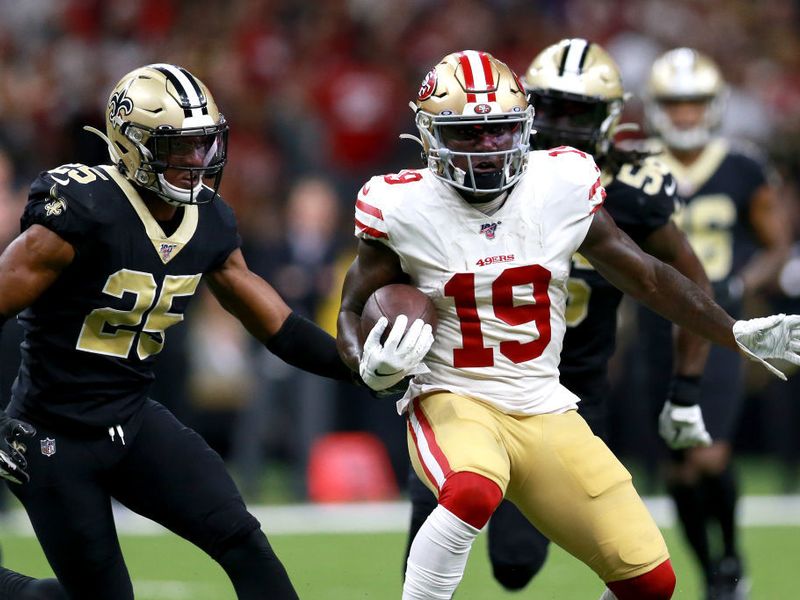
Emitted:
<point x="576" y="88"/>
<point x="684" y="74"/>
<point x="472" y="88"/>
<point x="157" y="113"/>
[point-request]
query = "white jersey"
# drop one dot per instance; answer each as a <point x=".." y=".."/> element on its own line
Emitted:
<point x="499" y="282"/>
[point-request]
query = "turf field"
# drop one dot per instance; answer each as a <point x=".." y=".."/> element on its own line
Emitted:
<point x="353" y="566"/>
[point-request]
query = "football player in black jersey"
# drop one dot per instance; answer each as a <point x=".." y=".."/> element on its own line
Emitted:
<point x="577" y="93"/>
<point x="737" y="226"/>
<point x="107" y="261"/>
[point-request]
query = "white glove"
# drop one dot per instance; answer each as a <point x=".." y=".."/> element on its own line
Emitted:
<point x="383" y="365"/>
<point x="682" y="426"/>
<point x="777" y="336"/>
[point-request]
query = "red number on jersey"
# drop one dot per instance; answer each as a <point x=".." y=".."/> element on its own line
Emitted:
<point x="404" y="176"/>
<point x="474" y="353"/>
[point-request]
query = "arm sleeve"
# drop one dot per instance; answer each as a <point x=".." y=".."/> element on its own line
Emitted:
<point x="70" y="214"/>
<point x="302" y="344"/>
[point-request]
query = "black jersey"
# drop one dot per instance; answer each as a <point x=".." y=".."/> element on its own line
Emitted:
<point x="718" y="189"/>
<point x="91" y="339"/>
<point x="641" y="199"/>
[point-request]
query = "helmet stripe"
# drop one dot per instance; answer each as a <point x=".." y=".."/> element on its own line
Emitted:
<point x="468" y="78"/>
<point x="200" y="95"/>
<point x="574" y="56"/>
<point x="189" y="98"/>
<point x="478" y="76"/>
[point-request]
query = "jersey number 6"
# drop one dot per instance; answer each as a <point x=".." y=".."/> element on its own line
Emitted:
<point x="474" y="353"/>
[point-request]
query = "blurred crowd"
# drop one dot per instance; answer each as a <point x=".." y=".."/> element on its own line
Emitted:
<point x="316" y="95"/>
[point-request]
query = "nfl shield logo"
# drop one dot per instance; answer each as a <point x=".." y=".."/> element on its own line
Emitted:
<point x="489" y="229"/>
<point x="165" y="250"/>
<point x="48" y="446"/>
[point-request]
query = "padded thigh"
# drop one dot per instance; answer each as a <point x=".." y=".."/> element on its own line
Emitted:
<point x="172" y="476"/>
<point x="449" y="433"/>
<point x="576" y="492"/>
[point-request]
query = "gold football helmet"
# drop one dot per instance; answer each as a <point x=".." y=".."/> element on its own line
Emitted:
<point x="158" y="114"/>
<point x="684" y="75"/>
<point x="472" y="90"/>
<point x="576" y="88"/>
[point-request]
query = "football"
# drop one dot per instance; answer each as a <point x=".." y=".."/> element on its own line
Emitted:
<point x="396" y="299"/>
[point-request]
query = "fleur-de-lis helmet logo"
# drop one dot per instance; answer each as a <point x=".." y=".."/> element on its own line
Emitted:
<point x="119" y="104"/>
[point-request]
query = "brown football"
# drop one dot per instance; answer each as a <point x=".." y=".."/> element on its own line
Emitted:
<point x="396" y="299"/>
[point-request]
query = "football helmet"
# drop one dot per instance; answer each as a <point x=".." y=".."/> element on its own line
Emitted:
<point x="684" y="74"/>
<point x="472" y="90"/>
<point x="162" y="117"/>
<point x="576" y="89"/>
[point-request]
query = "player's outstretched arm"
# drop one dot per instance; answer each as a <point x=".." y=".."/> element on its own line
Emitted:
<point x="657" y="285"/>
<point x="262" y="311"/>
<point x="617" y="258"/>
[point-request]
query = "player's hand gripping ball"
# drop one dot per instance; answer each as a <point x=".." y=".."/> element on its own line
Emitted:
<point x="394" y="349"/>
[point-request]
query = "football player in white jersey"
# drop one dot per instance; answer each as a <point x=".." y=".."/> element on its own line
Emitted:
<point x="488" y="231"/>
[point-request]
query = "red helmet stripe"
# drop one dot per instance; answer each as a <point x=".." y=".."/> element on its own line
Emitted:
<point x="487" y="75"/>
<point x="469" y="79"/>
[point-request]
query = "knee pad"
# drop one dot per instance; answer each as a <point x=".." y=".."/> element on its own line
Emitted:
<point x="657" y="584"/>
<point x="471" y="497"/>
<point x="514" y="577"/>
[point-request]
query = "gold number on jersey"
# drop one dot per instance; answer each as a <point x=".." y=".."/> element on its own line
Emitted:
<point x="648" y="176"/>
<point x="151" y="341"/>
<point x="577" y="301"/>
<point x="707" y="221"/>
<point x="77" y="172"/>
<point x="112" y="332"/>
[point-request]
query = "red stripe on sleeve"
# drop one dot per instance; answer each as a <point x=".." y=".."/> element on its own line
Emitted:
<point x="376" y="233"/>
<point x="369" y="209"/>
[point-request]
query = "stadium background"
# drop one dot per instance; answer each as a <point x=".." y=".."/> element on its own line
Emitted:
<point x="316" y="94"/>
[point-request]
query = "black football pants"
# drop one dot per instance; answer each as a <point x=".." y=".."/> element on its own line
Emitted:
<point x="163" y="471"/>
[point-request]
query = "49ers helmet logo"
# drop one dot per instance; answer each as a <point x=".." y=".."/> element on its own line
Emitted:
<point x="428" y="86"/>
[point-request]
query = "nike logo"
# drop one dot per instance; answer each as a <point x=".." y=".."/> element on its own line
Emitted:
<point x="670" y="188"/>
<point x="379" y="374"/>
<point x="61" y="181"/>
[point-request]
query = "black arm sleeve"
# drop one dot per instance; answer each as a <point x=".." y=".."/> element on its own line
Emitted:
<point x="304" y="345"/>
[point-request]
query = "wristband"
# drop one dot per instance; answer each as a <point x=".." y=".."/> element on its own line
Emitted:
<point x="684" y="390"/>
<point x="305" y="345"/>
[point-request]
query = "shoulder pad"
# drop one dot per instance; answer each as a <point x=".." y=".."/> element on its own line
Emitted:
<point x="379" y="195"/>
<point x="69" y="200"/>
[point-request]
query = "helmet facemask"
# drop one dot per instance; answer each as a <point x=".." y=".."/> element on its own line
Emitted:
<point x="470" y="170"/>
<point x="691" y="138"/>
<point x="195" y="155"/>
<point x="583" y="122"/>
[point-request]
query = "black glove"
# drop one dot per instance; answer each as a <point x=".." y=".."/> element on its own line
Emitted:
<point x="12" y="448"/>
